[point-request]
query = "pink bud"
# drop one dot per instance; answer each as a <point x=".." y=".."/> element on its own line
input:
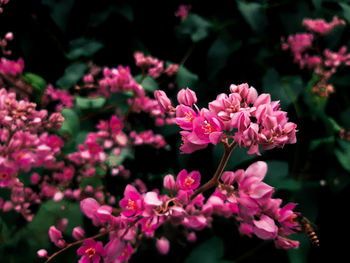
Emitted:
<point x="35" y="178"/>
<point x="56" y="236"/>
<point x="9" y="36"/>
<point x="186" y="97"/>
<point x="162" y="99"/>
<point x="163" y="245"/>
<point x="42" y="253"/>
<point x="78" y="233"/>
<point x="192" y="237"/>
<point x="7" y="206"/>
<point x="169" y="182"/>
<point x="228" y="177"/>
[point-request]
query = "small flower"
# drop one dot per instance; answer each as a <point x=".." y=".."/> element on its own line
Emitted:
<point x="186" y="97"/>
<point x="188" y="181"/>
<point x="163" y="245"/>
<point x="91" y="251"/>
<point x="132" y="203"/>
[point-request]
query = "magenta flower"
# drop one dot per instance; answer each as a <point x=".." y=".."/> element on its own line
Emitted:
<point x="186" y="97"/>
<point x="188" y="181"/>
<point x="56" y="237"/>
<point x="91" y="251"/>
<point x="132" y="203"/>
<point x="163" y="245"/>
<point x="162" y="99"/>
<point x="116" y="124"/>
<point x="188" y="146"/>
<point x="185" y="116"/>
<point x="265" y="228"/>
<point x="320" y="26"/>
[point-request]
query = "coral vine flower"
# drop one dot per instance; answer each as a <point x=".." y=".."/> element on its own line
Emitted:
<point x="91" y="251"/>
<point x="132" y="203"/>
<point x="188" y="181"/>
<point x="116" y="124"/>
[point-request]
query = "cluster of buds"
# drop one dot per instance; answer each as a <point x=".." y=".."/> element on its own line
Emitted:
<point x="250" y="120"/>
<point x="154" y="66"/>
<point x="307" y="54"/>
<point x="61" y="98"/>
<point x="3" y="43"/>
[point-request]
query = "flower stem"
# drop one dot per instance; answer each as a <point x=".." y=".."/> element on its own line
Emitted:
<point x="214" y="181"/>
<point x="75" y="243"/>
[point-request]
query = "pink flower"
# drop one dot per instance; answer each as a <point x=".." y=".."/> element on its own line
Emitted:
<point x="206" y="129"/>
<point x="286" y="243"/>
<point x="188" y="146"/>
<point x="11" y="67"/>
<point x="265" y="228"/>
<point x="163" y="245"/>
<point x="126" y="253"/>
<point x="113" y="250"/>
<point x="116" y="124"/>
<point x="185" y="116"/>
<point x="186" y="97"/>
<point x="91" y="251"/>
<point x="188" y="181"/>
<point x="132" y="203"/>
<point x="92" y="209"/>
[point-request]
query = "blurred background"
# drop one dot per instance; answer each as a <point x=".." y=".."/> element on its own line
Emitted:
<point x="220" y="43"/>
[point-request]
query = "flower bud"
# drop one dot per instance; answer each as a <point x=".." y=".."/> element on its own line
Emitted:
<point x="169" y="182"/>
<point x="163" y="245"/>
<point x="162" y="99"/>
<point x="186" y="97"/>
<point x="9" y="36"/>
<point x="42" y="253"/>
<point x="78" y="233"/>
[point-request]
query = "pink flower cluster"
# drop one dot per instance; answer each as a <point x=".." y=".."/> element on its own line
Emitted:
<point x="242" y="196"/>
<point x="61" y="98"/>
<point x="25" y="144"/>
<point x="320" y="26"/>
<point x="117" y="80"/>
<point x="254" y="120"/>
<point x="154" y="66"/>
<point x="11" y="67"/>
<point x="307" y="54"/>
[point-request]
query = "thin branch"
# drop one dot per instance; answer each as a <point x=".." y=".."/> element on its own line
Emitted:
<point x="214" y="181"/>
<point x="75" y="243"/>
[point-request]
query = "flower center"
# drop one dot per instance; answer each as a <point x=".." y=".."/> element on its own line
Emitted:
<point x="131" y="205"/>
<point x="188" y="181"/>
<point x="90" y="252"/>
<point x="188" y="116"/>
<point x="206" y="126"/>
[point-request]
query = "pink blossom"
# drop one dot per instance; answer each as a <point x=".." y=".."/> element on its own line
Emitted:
<point x="333" y="59"/>
<point x="113" y="250"/>
<point x="188" y="146"/>
<point x="116" y="124"/>
<point x="265" y="228"/>
<point x="126" y="253"/>
<point x="11" y="67"/>
<point x="91" y="251"/>
<point x="188" y="181"/>
<point x="132" y="203"/>
<point x="185" y="116"/>
<point x="172" y="69"/>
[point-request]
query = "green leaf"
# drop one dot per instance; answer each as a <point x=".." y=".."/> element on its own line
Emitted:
<point x="219" y="52"/>
<point x="317" y="143"/>
<point x="254" y="14"/>
<point x="71" y="124"/>
<point x="342" y="152"/>
<point x="38" y="83"/>
<point x="209" y="251"/>
<point x="186" y="78"/>
<point x="196" y="27"/>
<point x="90" y="103"/>
<point x="346" y="11"/>
<point x="72" y="74"/>
<point x="286" y="89"/>
<point x="149" y="84"/>
<point x="60" y="11"/>
<point x="277" y="176"/>
<point x="82" y="47"/>
<point x="92" y="181"/>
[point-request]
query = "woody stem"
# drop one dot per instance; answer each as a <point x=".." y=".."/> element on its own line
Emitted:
<point x="214" y="181"/>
